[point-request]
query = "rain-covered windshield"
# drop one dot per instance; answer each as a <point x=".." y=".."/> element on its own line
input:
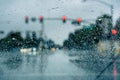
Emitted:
<point x="59" y="39"/>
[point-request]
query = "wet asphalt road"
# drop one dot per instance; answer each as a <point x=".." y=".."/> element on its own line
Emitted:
<point x="51" y="66"/>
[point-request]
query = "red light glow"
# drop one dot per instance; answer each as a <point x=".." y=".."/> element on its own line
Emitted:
<point x="114" y="32"/>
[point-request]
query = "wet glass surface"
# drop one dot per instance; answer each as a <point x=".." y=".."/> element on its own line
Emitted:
<point x="59" y="39"/>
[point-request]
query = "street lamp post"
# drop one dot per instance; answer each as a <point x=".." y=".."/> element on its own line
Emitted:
<point x="106" y="4"/>
<point x="111" y="8"/>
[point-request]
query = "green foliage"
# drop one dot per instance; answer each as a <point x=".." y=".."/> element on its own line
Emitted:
<point x="12" y="40"/>
<point x="91" y="34"/>
<point x="84" y="38"/>
<point x="117" y="25"/>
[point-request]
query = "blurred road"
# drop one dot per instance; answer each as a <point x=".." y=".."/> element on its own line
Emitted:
<point x="51" y="66"/>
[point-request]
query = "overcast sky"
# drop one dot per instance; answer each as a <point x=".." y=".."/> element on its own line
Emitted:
<point x="12" y="13"/>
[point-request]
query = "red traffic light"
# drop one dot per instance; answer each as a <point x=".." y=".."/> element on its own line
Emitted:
<point x="64" y="19"/>
<point x="79" y="20"/>
<point x="26" y="19"/>
<point x="114" y="32"/>
<point x="41" y="18"/>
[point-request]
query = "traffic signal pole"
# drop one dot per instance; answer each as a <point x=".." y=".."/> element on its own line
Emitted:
<point x="64" y="19"/>
<point x="114" y="32"/>
<point x="42" y="27"/>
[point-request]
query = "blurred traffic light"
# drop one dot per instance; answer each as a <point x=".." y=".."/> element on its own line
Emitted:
<point x="26" y="19"/>
<point x="41" y="19"/>
<point x="33" y="19"/>
<point x="74" y="22"/>
<point x="64" y="19"/>
<point x="114" y="32"/>
<point x="78" y="20"/>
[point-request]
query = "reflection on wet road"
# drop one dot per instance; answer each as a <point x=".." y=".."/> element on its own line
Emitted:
<point x="53" y="66"/>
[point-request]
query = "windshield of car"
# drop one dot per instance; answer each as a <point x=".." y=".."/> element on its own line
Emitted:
<point x="59" y="39"/>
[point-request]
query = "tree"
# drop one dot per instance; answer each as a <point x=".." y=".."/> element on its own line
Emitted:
<point x="117" y="27"/>
<point x="34" y="39"/>
<point x="90" y="35"/>
<point x="66" y="44"/>
<point x="28" y="40"/>
<point x="50" y="43"/>
<point x="71" y="40"/>
<point x="105" y="23"/>
<point x="11" y="41"/>
<point x="84" y="38"/>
